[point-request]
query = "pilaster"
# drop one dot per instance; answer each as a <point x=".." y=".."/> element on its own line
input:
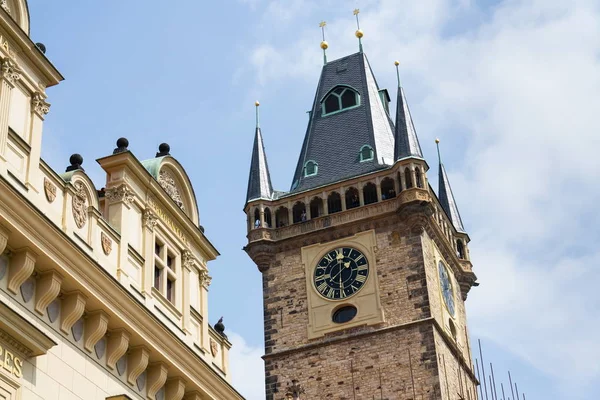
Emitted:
<point x="39" y="109"/>
<point x="9" y="75"/>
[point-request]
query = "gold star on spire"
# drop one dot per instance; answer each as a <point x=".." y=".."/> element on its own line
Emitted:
<point x="359" y="33"/>
<point x="324" y="44"/>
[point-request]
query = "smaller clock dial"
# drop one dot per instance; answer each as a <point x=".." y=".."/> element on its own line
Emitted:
<point x="341" y="273"/>
<point x="447" y="289"/>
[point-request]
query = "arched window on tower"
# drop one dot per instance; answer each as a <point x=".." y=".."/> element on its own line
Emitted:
<point x="281" y="217"/>
<point x="460" y="249"/>
<point x="311" y="168"/>
<point x="352" y="200"/>
<point x="419" y="177"/>
<point x="339" y="99"/>
<point x="316" y="207"/>
<point x="366" y="153"/>
<point x="370" y="193"/>
<point x="387" y="189"/>
<point x="299" y="212"/>
<point x="408" y="178"/>
<point x="256" y="221"/>
<point x="268" y="220"/>
<point x="334" y="203"/>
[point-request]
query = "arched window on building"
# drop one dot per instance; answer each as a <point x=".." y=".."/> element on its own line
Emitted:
<point x="387" y="189"/>
<point x="339" y="99"/>
<point x="366" y="153"/>
<point x="316" y="207"/>
<point x="256" y="223"/>
<point x="334" y="203"/>
<point x="311" y="168"/>
<point x="268" y="220"/>
<point x="460" y="249"/>
<point x="299" y="212"/>
<point x="370" y="193"/>
<point x="352" y="199"/>
<point x="408" y="178"/>
<point x="282" y="217"/>
<point x="419" y="177"/>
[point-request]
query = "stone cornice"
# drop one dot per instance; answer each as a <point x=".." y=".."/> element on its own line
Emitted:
<point x="23" y="335"/>
<point x="112" y="296"/>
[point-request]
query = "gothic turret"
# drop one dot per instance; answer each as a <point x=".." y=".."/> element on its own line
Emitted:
<point x="407" y="142"/>
<point x="259" y="180"/>
<point x="446" y="197"/>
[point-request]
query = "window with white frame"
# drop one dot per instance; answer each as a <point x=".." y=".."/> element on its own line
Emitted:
<point x="165" y="270"/>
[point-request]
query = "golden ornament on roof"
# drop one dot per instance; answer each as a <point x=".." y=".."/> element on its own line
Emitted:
<point x="359" y="33"/>
<point x="396" y="63"/>
<point x="437" y="140"/>
<point x="324" y="45"/>
<point x="256" y="103"/>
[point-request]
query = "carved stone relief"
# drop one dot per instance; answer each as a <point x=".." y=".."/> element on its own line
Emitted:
<point x="50" y="190"/>
<point x="188" y="259"/>
<point x="214" y="350"/>
<point x="79" y="205"/>
<point x="204" y="279"/>
<point x="106" y="243"/>
<point x="120" y="193"/>
<point x="10" y="71"/>
<point x="4" y="5"/>
<point x="150" y="219"/>
<point x="167" y="182"/>
<point x="39" y="104"/>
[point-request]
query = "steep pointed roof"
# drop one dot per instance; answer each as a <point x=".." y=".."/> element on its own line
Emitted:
<point x="334" y="141"/>
<point x="407" y="142"/>
<point x="259" y="180"/>
<point x="447" y="199"/>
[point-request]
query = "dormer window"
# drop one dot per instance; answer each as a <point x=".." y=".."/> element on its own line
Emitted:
<point x="339" y="99"/>
<point x="366" y="153"/>
<point x="310" y="168"/>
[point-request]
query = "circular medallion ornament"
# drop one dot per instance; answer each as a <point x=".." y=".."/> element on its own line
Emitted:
<point x="341" y="273"/>
<point x="446" y="287"/>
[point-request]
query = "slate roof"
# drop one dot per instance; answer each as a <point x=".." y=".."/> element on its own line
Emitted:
<point x="407" y="142"/>
<point x="259" y="180"/>
<point x="334" y="141"/>
<point x="447" y="200"/>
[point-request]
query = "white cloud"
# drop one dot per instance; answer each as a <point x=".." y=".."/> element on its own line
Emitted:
<point x="517" y="85"/>
<point x="247" y="368"/>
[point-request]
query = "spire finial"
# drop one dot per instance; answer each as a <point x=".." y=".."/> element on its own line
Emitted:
<point x="437" y="143"/>
<point x="257" y="104"/>
<point x="397" y="63"/>
<point x="324" y="44"/>
<point x="359" y="33"/>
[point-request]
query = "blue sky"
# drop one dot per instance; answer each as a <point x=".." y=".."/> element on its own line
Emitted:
<point x="510" y="87"/>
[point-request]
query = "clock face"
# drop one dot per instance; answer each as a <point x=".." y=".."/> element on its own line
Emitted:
<point x="341" y="273"/>
<point x="447" y="289"/>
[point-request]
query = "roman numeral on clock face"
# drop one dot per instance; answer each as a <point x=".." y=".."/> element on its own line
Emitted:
<point x="341" y="273"/>
<point x="361" y="278"/>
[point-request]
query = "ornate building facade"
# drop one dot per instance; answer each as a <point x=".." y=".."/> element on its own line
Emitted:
<point x="103" y="293"/>
<point x="365" y="268"/>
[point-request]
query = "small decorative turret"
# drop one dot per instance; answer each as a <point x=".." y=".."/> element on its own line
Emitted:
<point x="220" y="327"/>
<point x="407" y="142"/>
<point x="446" y="196"/>
<point x="76" y="160"/>
<point x="122" y="144"/>
<point x="163" y="150"/>
<point x="259" y="180"/>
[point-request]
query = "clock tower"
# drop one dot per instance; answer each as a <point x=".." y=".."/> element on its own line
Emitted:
<point x="365" y="268"/>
